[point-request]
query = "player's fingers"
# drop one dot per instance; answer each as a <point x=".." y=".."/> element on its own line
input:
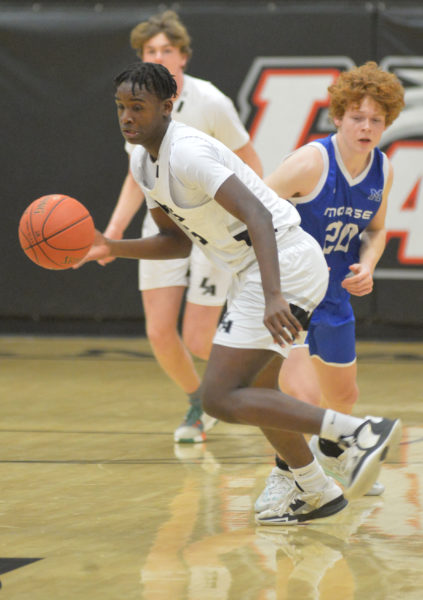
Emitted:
<point x="105" y="261"/>
<point x="284" y="328"/>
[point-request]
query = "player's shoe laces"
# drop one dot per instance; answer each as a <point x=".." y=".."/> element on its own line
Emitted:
<point x="194" y="426"/>
<point x="336" y="467"/>
<point x="299" y="506"/>
<point x="365" y="450"/>
<point x="278" y="485"/>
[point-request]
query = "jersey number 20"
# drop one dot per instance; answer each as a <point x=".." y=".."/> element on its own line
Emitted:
<point x="338" y="236"/>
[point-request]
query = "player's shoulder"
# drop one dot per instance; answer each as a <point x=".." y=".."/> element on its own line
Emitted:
<point x="203" y="87"/>
<point x="190" y="138"/>
<point x="308" y="159"/>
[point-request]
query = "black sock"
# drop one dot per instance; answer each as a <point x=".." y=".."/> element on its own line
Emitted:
<point x="329" y="448"/>
<point x="281" y="464"/>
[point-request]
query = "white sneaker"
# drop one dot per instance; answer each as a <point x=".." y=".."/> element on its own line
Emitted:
<point x="336" y="467"/>
<point x="365" y="450"/>
<point x="278" y="485"/>
<point x="208" y="421"/>
<point x="299" y="506"/>
<point x="193" y="428"/>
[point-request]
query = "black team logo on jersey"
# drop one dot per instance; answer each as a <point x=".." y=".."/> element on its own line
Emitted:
<point x="181" y="220"/>
<point x="225" y="324"/>
<point x="208" y="288"/>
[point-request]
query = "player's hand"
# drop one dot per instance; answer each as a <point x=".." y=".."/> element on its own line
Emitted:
<point x="113" y="234"/>
<point x="100" y="250"/>
<point x="280" y="321"/>
<point x="359" y="281"/>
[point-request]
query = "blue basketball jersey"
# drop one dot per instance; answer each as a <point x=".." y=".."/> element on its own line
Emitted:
<point x="338" y="213"/>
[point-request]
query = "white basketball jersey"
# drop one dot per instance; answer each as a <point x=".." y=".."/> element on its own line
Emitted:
<point x="190" y="169"/>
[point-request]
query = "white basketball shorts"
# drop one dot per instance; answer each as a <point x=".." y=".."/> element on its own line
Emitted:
<point x="207" y="284"/>
<point x="304" y="279"/>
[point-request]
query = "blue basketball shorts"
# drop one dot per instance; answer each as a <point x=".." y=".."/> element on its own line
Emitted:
<point x="331" y="339"/>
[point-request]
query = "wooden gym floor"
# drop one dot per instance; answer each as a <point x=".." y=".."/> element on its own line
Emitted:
<point x="97" y="502"/>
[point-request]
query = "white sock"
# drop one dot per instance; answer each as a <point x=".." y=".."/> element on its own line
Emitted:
<point x="310" y="478"/>
<point x="336" y="424"/>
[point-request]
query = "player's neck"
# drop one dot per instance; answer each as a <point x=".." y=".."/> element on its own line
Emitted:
<point x="153" y="145"/>
<point x="354" y="162"/>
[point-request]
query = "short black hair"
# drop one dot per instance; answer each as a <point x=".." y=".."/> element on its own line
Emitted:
<point x="155" y="78"/>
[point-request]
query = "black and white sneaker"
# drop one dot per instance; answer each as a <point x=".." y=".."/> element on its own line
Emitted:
<point x="365" y="450"/>
<point x="299" y="506"/>
<point x="339" y="468"/>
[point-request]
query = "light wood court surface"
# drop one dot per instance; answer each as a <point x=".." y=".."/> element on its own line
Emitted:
<point x="96" y="502"/>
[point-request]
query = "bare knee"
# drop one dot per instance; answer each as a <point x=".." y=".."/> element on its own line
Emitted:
<point x="199" y="327"/>
<point x="210" y="401"/>
<point x="197" y="344"/>
<point x="161" y="335"/>
<point x="344" y="402"/>
<point x="298" y="377"/>
<point x="338" y="385"/>
<point x="218" y="403"/>
<point x="301" y="391"/>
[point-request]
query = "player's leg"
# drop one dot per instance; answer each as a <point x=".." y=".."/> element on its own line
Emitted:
<point x="281" y="481"/>
<point x="161" y="308"/>
<point x="332" y="352"/>
<point x="199" y="327"/>
<point x="332" y="349"/>
<point x="338" y="384"/>
<point x="241" y="352"/>
<point x="163" y="284"/>
<point x="298" y="376"/>
<point x="207" y="292"/>
<point x="206" y="295"/>
<point x="227" y="395"/>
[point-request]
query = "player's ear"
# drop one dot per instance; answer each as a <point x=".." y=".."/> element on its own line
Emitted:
<point x="168" y="106"/>
<point x="337" y="121"/>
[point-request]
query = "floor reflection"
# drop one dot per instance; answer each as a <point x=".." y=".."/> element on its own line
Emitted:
<point x="208" y="549"/>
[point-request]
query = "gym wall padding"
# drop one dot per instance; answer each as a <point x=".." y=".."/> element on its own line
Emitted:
<point x="60" y="133"/>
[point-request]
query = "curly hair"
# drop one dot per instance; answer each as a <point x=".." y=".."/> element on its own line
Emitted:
<point x="155" y="78"/>
<point x="166" y="22"/>
<point x="371" y="81"/>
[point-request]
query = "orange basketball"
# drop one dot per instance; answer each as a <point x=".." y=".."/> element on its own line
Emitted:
<point x="56" y="231"/>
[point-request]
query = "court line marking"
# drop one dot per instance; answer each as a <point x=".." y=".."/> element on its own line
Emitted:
<point x="158" y="433"/>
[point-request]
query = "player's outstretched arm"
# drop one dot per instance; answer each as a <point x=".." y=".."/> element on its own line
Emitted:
<point x="170" y="242"/>
<point x="100" y="250"/>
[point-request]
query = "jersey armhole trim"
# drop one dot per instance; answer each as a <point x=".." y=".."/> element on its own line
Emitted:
<point x="322" y="180"/>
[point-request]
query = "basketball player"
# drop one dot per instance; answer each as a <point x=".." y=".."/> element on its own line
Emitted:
<point x="200" y="192"/>
<point x="340" y="186"/>
<point x="163" y="39"/>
